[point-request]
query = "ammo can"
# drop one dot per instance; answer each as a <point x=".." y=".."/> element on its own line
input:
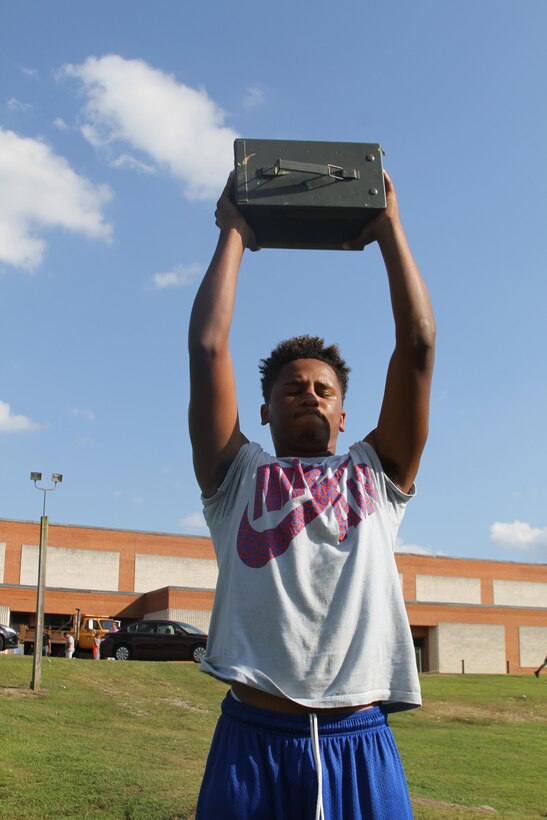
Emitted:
<point x="297" y="194"/>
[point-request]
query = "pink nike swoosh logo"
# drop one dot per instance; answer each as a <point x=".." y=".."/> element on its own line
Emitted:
<point x="257" y="548"/>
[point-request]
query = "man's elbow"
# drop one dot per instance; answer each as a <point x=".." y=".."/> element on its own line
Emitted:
<point x="206" y="346"/>
<point x="426" y="332"/>
<point x="419" y="343"/>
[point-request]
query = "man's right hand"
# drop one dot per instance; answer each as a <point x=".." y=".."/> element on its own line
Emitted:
<point x="228" y="217"/>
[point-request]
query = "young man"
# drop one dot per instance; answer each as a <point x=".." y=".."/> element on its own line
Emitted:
<point x="309" y="625"/>
<point x="542" y="666"/>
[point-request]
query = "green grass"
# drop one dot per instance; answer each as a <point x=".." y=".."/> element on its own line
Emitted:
<point x="106" y="739"/>
<point x="129" y="741"/>
<point x="478" y="740"/>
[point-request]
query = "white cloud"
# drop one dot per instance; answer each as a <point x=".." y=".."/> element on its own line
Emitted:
<point x="84" y="440"/>
<point x="40" y="191"/>
<point x="181" y="129"/>
<point x="30" y="72"/>
<point x="179" y="276"/>
<point x="195" y="521"/>
<point x="59" y="123"/>
<point x="87" y="414"/>
<point x="12" y="423"/>
<point x="254" y="97"/>
<point x="17" y="105"/>
<point x="415" y="549"/>
<point x="132" y="164"/>
<point x="518" y="535"/>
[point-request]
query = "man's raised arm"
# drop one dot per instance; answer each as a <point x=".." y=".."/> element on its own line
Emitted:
<point x="213" y="416"/>
<point x="403" y="424"/>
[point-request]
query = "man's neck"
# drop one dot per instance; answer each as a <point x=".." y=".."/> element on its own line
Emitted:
<point x="289" y="452"/>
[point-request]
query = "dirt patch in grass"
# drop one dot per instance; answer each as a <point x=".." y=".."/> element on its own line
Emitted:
<point x="429" y="803"/>
<point x="182" y="704"/>
<point x="22" y="692"/>
<point x="133" y="709"/>
<point x="511" y="712"/>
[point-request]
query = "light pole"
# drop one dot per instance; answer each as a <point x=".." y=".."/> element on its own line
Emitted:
<point x="41" y="584"/>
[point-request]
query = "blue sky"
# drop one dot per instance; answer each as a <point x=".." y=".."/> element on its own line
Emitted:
<point x="117" y="123"/>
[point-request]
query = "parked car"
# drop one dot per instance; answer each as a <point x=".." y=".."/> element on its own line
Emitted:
<point x="155" y="641"/>
<point x="9" y="639"/>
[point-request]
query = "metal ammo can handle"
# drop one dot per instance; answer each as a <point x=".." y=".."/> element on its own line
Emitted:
<point x="285" y="166"/>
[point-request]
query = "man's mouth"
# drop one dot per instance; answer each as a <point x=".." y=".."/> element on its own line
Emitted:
<point x="311" y="411"/>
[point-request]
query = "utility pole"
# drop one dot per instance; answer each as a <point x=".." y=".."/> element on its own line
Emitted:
<point x="41" y="583"/>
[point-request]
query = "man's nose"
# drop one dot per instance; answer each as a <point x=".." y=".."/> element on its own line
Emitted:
<point x="310" y="398"/>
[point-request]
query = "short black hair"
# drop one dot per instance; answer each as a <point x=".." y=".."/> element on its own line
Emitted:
<point x="302" y="347"/>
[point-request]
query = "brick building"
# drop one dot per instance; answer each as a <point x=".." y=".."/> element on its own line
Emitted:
<point x="471" y="615"/>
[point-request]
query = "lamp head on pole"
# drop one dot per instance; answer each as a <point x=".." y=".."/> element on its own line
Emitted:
<point x="55" y="477"/>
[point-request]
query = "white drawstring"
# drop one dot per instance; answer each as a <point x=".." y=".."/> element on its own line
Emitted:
<point x="314" y="732"/>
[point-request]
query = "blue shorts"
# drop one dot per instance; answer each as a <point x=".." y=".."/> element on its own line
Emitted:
<point x="269" y="766"/>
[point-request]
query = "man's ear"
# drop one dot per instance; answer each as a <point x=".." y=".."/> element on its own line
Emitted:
<point x="342" y="424"/>
<point x="264" y="414"/>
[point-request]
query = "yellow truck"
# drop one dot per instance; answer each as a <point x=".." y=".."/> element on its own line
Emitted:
<point x="81" y="626"/>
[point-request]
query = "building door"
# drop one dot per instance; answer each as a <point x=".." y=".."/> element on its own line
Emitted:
<point x="419" y="644"/>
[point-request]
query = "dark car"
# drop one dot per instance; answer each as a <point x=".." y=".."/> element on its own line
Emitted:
<point x="9" y="639"/>
<point x="155" y="641"/>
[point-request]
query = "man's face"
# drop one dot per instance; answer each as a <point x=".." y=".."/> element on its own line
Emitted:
<point x="305" y="409"/>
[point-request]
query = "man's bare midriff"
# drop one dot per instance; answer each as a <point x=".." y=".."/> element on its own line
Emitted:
<point x="256" y="697"/>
